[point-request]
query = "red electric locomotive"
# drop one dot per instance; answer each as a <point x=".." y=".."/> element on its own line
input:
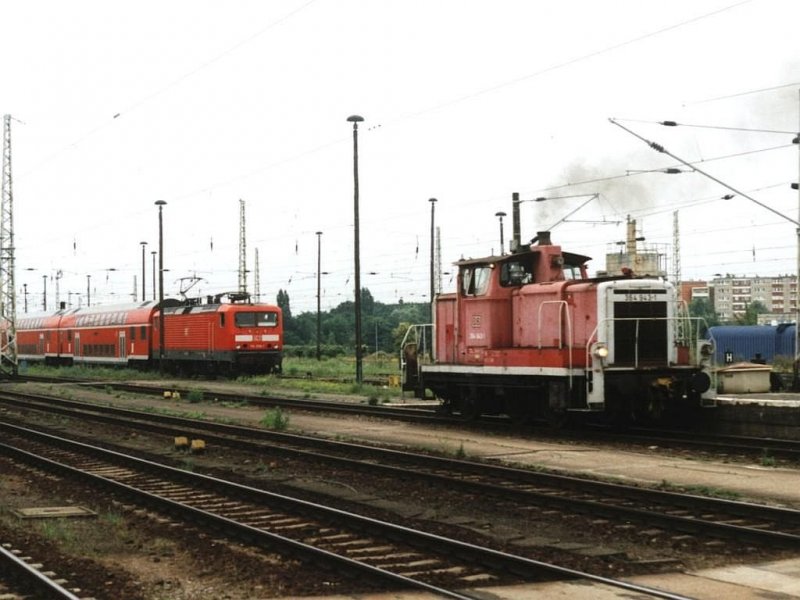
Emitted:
<point x="226" y="338"/>
<point x="529" y="334"/>
<point x="214" y="338"/>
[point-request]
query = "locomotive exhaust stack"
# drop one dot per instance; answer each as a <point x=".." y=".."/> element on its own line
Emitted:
<point x="516" y="236"/>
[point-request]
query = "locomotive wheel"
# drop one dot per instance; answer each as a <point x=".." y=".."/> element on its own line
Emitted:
<point x="469" y="403"/>
<point x="518" y="410"/>
<point x="557" y="418"/>
<point x="656" y="402"/>
<point x="469" y="410"/>
<point x="619" y="412"/>
<point x="445" y="408"/>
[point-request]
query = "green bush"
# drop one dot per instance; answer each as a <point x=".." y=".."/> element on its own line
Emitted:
<point x="310" y="351"/>
<point x="195" y="396"/>
<point x="275" y="419"/>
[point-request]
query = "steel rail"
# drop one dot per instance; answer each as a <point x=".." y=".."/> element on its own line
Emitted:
<point x="498" y="480"/>
<point x="517" y="565"/>
<point x="28" y="577"/>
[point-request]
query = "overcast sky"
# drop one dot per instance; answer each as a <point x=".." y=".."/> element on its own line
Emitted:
<point x="201" y="104"/>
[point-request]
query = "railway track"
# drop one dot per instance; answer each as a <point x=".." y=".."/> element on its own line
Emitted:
<point x="21" y="578"/>
<point x="678" y="439"/>
<point x="525" y="489"/>
<point x="718" y="443"/>
<point x="396" y="556"/>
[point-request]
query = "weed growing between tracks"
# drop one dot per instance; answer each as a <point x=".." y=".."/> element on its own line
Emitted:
<point x="275" y="419"/>
<point x="699" y="490"/>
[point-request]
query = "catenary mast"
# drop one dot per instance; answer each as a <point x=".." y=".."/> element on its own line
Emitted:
<point x="256" y="280"/>
<point x="242" y="249"/>
<point x="676" y="249"/>
<point x="8" y="307"/>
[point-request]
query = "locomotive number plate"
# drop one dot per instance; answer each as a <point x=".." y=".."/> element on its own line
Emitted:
<point x="639" y="297"/>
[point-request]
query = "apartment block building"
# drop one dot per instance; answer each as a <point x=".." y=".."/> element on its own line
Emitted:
<point x="731" y="295"/>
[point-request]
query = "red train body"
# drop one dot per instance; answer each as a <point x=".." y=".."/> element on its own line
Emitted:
<point x="529" y="334"/>
<point x="212" y="338"/>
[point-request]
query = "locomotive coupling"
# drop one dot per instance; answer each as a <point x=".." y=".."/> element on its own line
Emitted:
<point x="664" y="382"/>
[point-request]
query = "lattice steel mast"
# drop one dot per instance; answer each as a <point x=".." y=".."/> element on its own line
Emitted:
<point x="676" y="249"/>
<point x="256" y="281"/>
<point x="242" y="249"/>
<point x="8" y="305"/>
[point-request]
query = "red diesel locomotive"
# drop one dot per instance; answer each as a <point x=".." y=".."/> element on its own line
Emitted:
<point x="529" y="334"/>
<point x="226" y="338"/>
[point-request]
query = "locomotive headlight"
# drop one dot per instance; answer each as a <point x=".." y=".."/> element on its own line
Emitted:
<point x="600" y="350"/>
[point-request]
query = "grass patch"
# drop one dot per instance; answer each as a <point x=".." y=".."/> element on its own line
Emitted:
<point x="59" y="531"/>
<point x="461" y="453"/>
<point x="327" y="377"/>
<point x="275" y="419"/>
<point x="84" y="372"/>
<point x="195" y="396"/>
<point x="699" y="490"/>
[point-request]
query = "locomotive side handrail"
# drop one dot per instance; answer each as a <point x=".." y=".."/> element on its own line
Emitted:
<point x="414" y="335"/>
<point x="562" y="307"/>
<point x="419" y="333"/>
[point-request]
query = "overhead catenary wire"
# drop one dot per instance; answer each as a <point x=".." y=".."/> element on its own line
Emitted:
<point x="575" y="60"/>
<point x="107" y="122"/>
<point x="645" y="171"/>
<point x="401" y="117"/>
<point x="743" y="93"/>
<point x="668" y="123"/>
<point x="660" y="148"/>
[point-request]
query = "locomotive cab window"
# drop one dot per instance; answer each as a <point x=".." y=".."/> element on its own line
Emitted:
<point x="256" y="319"/>
<point x="515" y="273"/>
<point x="475" y="280"/>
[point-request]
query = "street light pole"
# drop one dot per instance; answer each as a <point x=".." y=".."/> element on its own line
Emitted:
<point x="44" y="292"/>
<point x="88" y="290"/>
<point x="319" y="275"/>
<point x="144" y="285"/>
<point x="355" y="120"/>
<point x="160" y="204"/>
<point x="500" y="215"/>
<point x="154" y="252"/>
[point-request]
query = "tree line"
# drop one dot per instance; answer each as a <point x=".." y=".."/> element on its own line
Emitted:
<point x="700" y="307"/>
<point x="382" y="326"/>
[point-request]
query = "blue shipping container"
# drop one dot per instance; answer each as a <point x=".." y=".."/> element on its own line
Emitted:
<point x="740" y="343"/>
